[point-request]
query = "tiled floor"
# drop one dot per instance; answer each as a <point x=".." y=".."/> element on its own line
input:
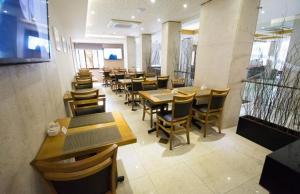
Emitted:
<point x="219" y="163"/>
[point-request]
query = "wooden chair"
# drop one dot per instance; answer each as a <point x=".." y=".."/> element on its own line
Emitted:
<point x="139" y="74"/>
<point x="106" y="78"/>
<point x="178" y="120"/>
<point x="177" y="83"/>
<point x="136" y="86"/>
<point x="148" y="107"/>
<point x="83" y="83"/>
<point x="208" y="113"/>
<point x="150" y="75"/>
<point x="118" y="87"/>
<point x="84" y="73"/>
<point x="93" y="175"/>
<point x="162" y="81"/>
<point x="87" y="102"/>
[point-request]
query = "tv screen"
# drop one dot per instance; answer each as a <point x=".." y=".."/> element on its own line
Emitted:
<point x="112" y="53"/>
<point x="24" y="32"/>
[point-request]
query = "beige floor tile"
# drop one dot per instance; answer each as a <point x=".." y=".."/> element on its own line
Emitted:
<point x="219" y="163"/>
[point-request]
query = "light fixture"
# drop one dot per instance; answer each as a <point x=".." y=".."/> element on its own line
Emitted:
<point x="5" y="11"/>
<point x="158" y="20"/>
<point x="142" y="28"/>
<point x="184" y="5"/>
<point x="152" y="1"/>
<point x="93" y="12"/>
<point x="132" y="17"/>
<point x="262" y="11"/>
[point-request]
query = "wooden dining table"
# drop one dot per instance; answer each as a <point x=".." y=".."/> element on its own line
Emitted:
<point x="83" y="139"/>
<point x="163" y="96"/>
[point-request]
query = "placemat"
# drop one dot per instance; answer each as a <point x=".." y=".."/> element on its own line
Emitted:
<point x="96" y="137"/>
<point x="157" y="91"/>
<point x="91" y="119"/>
<point x="165" y="96"/>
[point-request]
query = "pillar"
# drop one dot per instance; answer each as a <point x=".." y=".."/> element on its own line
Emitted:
<point x="170" y="48"/>
<point x="131" y="52"/>
<point x="226" y="35"/>
<point x="145" y="51"/>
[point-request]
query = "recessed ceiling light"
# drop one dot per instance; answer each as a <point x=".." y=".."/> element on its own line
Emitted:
<point x="184" y="5"/>
<point x="152" y="1"/>
<point x="159" y="20"/>
<point x="142" y="28"/>
<point x="5" y="11"/>
<point x="93" y="12"/>
<point x="132" y="17"/>
<point x="262" y="27"/>
<point x="262" y="11"/>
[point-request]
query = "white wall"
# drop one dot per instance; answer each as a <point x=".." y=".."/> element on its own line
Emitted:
<point x="31" y="96"/>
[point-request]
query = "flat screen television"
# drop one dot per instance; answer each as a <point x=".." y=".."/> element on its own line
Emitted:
<point x="24" y="31"/>
<point x="113" y="53"/>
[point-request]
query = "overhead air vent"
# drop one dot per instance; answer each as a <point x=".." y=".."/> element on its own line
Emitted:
<point x="124" y="24"/>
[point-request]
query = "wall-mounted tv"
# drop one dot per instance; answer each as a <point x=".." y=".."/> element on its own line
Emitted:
<point x="24" y="31"/>
<point x="113" y="53"/>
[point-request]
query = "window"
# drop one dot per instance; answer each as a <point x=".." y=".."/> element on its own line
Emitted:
<point x="87" y="58"/>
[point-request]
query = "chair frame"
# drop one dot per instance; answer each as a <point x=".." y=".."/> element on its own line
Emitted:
<point x="58" y="171"/>
<point x="177" y="81"/>
<point x="162" y="78"/>
<point x="184" y="122"/>
<point x="92" y="100"/>
<point x="146" y="109"/>
<point x="132" y="93"/>
<point x="204" y="117"/>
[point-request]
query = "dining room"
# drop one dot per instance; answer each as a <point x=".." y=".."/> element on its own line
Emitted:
<point x="149" y="96"/>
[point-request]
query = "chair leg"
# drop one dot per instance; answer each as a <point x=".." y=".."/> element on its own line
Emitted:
<point x="220" y="123"/>
<point x="171" y="138"/>
<point x="205" y="126"/>
<point x="151" y="117"/>
<point x="144" y="112"/>
<point x="157" y="127"/>
<point x="187" y="133"/>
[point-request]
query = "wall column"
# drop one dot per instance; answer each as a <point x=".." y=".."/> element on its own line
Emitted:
<point x="226" y="35"/>
<point x="146" y="51"/>
<point x="131" y="52"/>
<point x="170" y="47"/>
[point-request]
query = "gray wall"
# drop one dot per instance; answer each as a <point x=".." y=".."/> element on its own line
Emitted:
<point x="31" y="96"/>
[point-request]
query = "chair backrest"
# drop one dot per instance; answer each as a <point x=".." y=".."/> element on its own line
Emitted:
<point x="182" y="106"/>
<point x="149" y="85"/>
<point x="177" y="83"/>
<point x="139" y="74"/>
<point x="217" y="100"/>
<point x="122" y="70"/>
<point x="150" y="75"/>
<point x="88" y="99"/>
<point x="106" y="74"/>
<point x="83" y="82"/>
<point x="95" y="174"/>
<point x="136" y="84"/>
<point x="162" y="81"/>
<point x="120" y="76"/>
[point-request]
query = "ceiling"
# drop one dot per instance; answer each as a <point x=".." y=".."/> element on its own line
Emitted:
<point x="101" y="12"/>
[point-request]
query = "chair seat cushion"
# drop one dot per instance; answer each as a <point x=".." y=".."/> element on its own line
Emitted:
<point x="201" y="107"/>
<point x="89" y="110"/>
<point x="166" y="115"/>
